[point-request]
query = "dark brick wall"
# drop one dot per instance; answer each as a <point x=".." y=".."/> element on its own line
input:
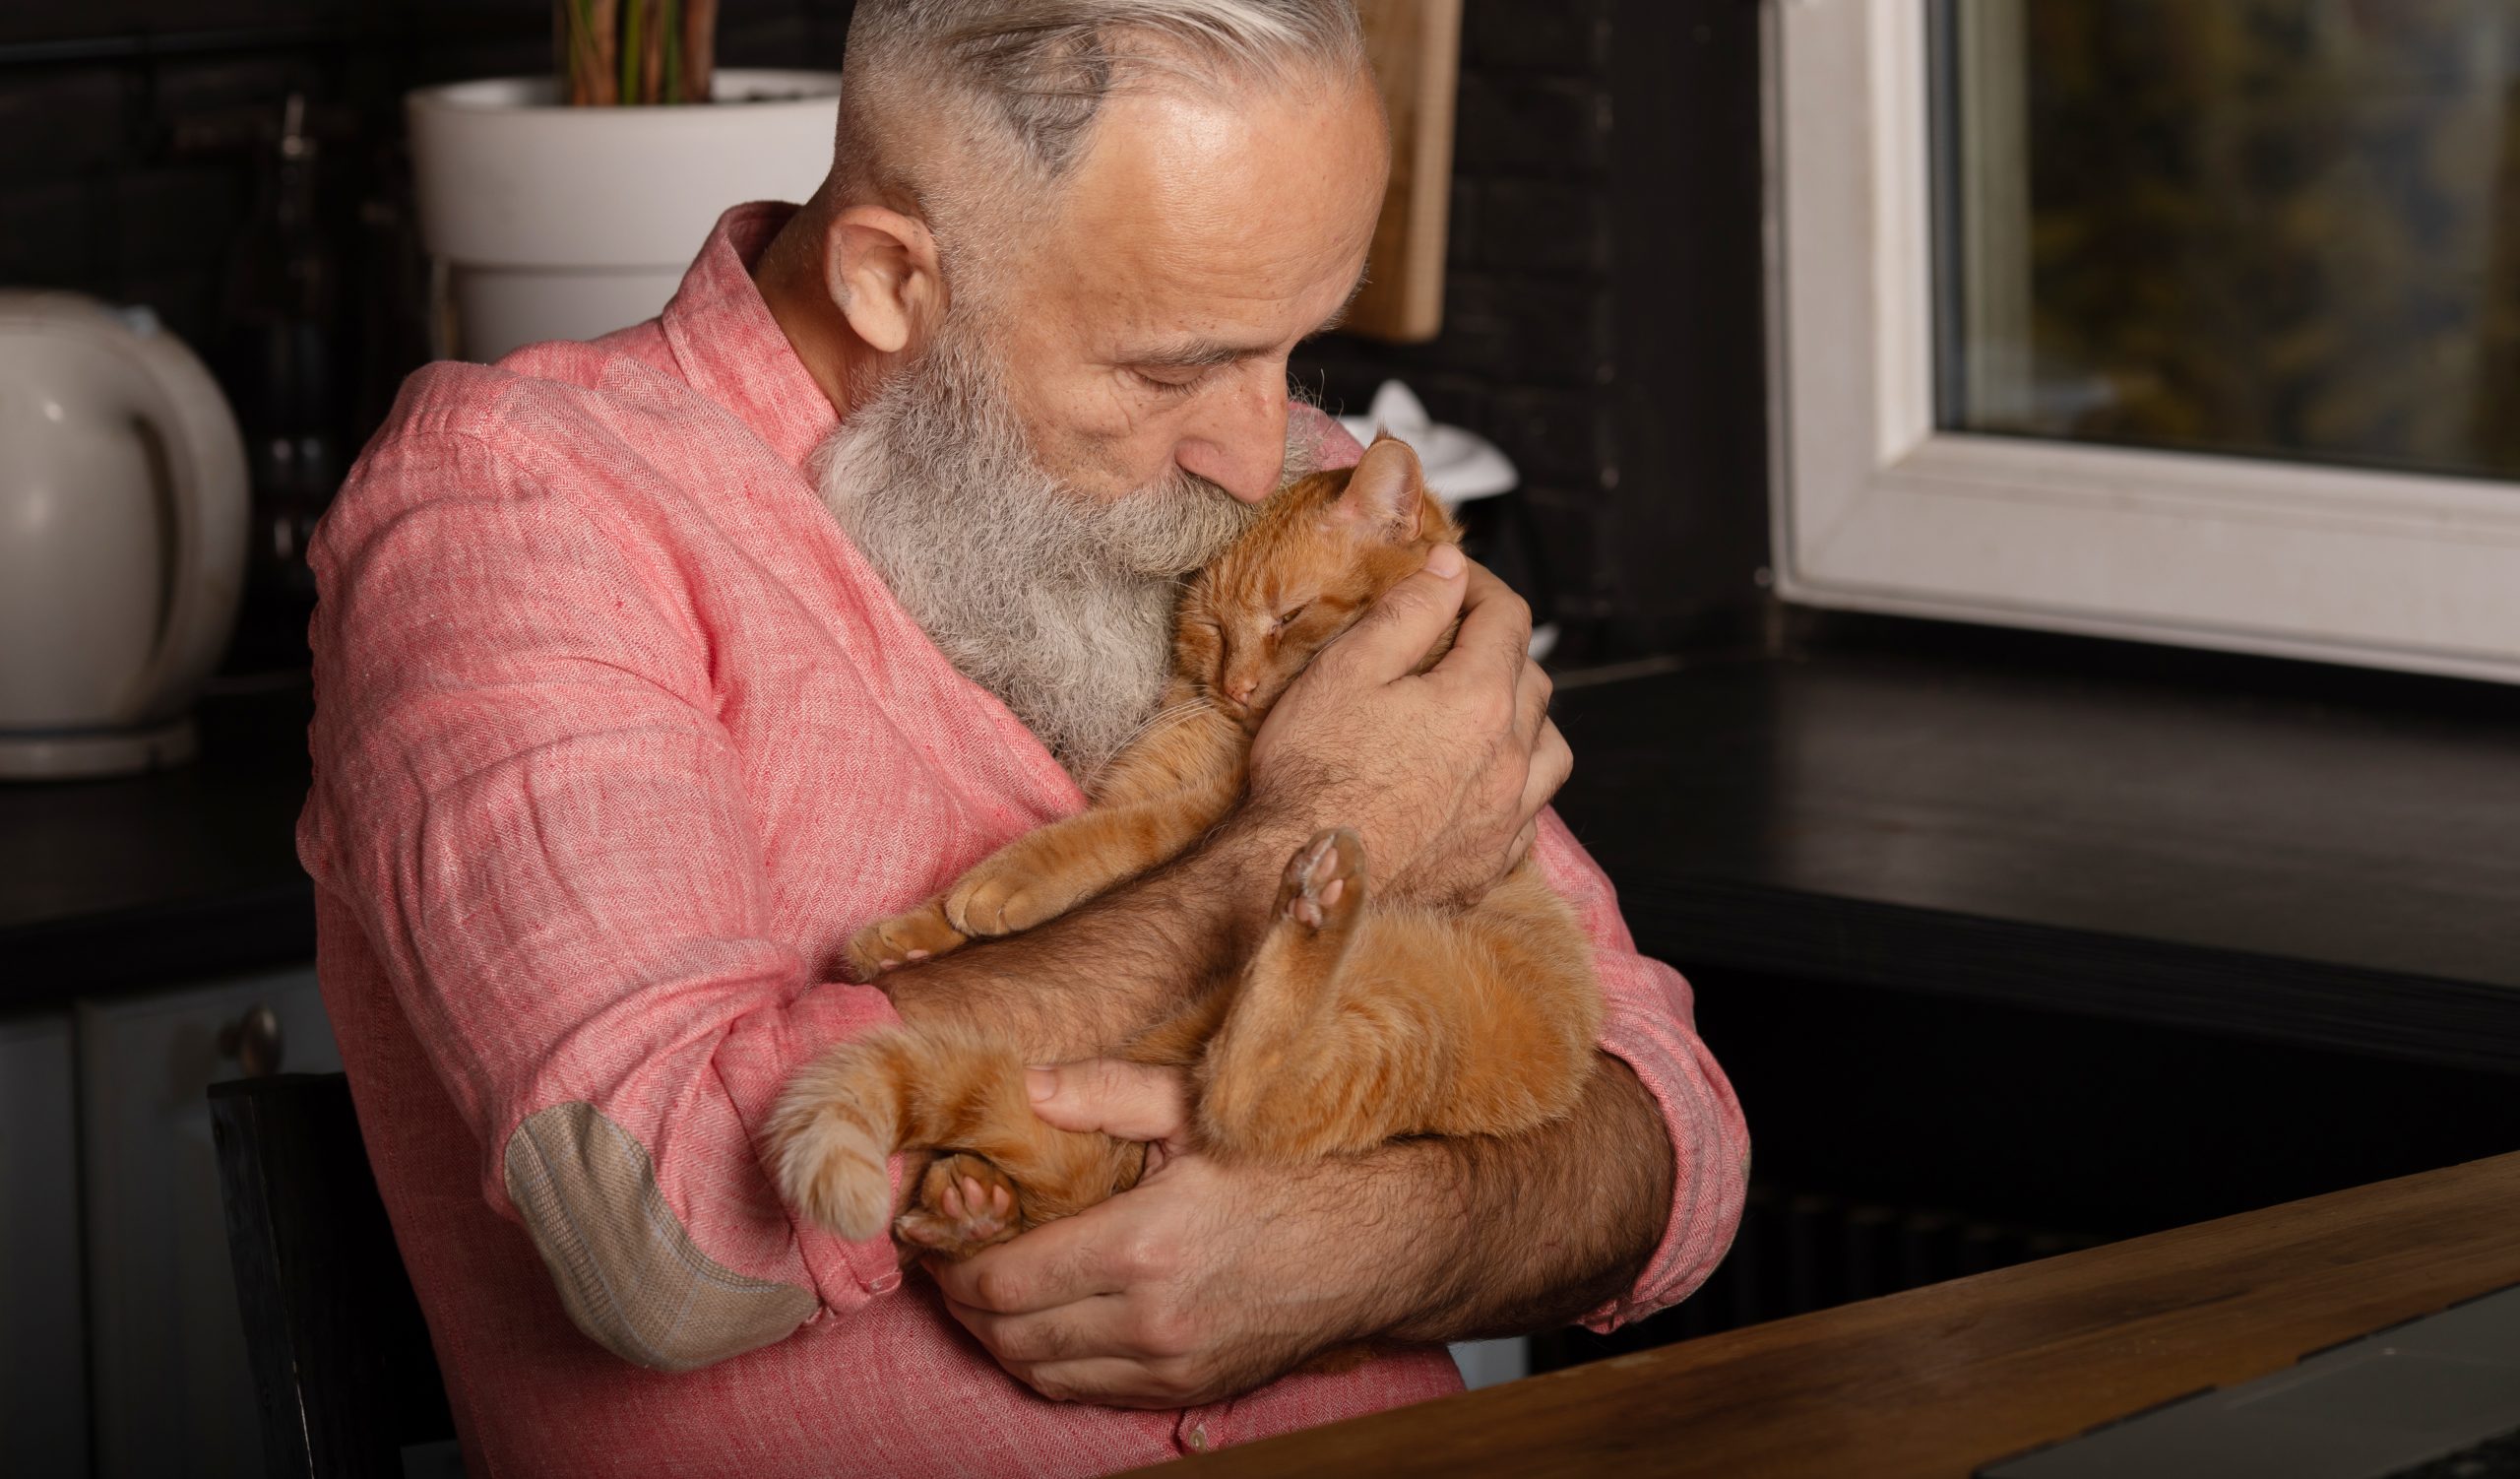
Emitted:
<point x="1601" y="309"/>
<point x="1527" y="353"/>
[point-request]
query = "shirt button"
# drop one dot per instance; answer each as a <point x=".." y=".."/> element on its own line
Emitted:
<point x="1199" y="1438"/>
<point x="885" y="1283"/>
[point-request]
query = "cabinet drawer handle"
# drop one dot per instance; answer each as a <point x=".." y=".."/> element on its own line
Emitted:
<point x="254" y="1041"/>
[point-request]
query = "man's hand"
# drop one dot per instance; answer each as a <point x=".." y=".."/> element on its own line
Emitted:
<point x="1443" y="773"/>
<point x="1208" y="1279"/>
<point x="1203" y="1281"/>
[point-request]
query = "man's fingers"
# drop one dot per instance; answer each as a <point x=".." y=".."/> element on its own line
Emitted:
<point x="1054" y="1264"/>
<point x="1494" y="640"/>
<point x="1124" y="1100"/>
<point x="1101" y="1325"/>
<point x="1552" y="763"/>
<point x="1522" y="847"/>
<point x="1392" y="637"/>
<point x="1531" y="703"/>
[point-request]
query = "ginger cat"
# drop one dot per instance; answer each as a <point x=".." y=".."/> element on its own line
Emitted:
<point x="1356" y="1021"/>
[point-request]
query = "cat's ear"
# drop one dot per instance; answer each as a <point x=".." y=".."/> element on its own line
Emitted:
<point x="1386" y="494"/>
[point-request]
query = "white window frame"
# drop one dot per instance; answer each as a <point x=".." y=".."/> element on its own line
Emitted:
<point x="1877" y="509"/>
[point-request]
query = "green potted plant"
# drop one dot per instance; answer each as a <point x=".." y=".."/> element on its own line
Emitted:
<point x="567" y="206"/>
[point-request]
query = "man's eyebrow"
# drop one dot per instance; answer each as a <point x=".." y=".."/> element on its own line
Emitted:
<point x="1209" y="353"/>
<point x="1197" y="353"/>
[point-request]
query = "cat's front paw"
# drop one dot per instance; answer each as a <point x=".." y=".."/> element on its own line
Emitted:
<point x="994" y="901"/>
<point x="904" y="939"/>
<point x="964" y="1204"/>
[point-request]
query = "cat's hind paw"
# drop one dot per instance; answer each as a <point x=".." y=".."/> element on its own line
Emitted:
<point x="965" y="1203"/>
<point x="904" y="939"/>
<point x="1324" y="882"/>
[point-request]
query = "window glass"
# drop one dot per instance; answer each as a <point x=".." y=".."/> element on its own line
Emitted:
<point x="2267" y="228"/>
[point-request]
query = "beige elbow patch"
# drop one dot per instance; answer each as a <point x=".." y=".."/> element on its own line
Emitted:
<point x="628" y="1272"/>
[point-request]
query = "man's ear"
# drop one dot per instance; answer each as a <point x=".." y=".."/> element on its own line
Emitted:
<point x="1386" y="494"/>
<point x="881" y="267"/>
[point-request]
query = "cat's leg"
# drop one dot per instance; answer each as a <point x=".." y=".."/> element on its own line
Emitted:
<point x="1277" y="1023"/>
<point x="1051" y="869"/>
<point x="1049" y="872"/>
<point x="1418" y="1022"/>
<point x="922" y="934"/>
<point x="1157" y="797"/>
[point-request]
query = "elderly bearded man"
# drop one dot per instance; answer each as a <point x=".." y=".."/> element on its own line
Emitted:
<point x="650" y="668"/>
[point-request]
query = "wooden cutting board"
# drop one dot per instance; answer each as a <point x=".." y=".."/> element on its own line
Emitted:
<point x="1414" y="47"/>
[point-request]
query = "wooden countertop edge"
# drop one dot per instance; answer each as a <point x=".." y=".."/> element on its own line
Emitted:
<point x="1937" y="1380"/>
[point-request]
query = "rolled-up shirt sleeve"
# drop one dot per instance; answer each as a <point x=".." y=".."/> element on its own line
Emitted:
<point x="1650" y="1026"/>
<point x="525" y="796"/>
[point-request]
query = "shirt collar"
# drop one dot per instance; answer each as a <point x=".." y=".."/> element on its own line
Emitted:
<point x="729" y="348"/>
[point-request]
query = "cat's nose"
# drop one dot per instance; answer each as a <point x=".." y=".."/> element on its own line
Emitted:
<point x="1239" y="689"/>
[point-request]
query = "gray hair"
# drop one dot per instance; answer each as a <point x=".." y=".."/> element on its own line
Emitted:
<point x="1026" y="78"/>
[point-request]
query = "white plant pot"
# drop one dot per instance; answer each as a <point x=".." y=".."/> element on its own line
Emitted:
<point x="547" y="221"/>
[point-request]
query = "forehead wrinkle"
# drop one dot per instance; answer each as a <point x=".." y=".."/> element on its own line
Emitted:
<point x="1232" y="272"/>
<point x="1174" y="203"/>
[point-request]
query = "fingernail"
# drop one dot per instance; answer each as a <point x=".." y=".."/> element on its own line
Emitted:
<point x="1041" y="1084"/>
<point x="1445" y="561"/>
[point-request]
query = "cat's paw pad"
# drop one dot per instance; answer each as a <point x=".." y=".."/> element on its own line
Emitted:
<point x="1324" y="882"/>
<point x="1003" y="901"/>
<point x="964" y="1204"/>
<point x="904" y="939"/>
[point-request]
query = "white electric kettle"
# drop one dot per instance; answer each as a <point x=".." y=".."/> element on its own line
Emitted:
<point x="122" y="537"/>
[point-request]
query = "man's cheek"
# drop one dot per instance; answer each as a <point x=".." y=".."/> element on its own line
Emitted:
<point x="1091" y="426"/>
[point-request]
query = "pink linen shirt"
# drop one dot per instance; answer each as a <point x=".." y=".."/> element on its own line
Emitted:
<point x="617" y="739"/>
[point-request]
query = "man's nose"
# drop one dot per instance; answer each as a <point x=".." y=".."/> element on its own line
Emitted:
<point x="1239" y="441"/>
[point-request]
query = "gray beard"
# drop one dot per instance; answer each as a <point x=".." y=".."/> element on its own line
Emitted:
<point x="1056" y="601"/>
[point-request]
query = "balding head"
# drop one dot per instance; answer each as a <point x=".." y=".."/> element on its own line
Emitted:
<point x="963" y="112"/>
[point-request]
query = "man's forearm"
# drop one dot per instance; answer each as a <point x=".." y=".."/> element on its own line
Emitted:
<point x="1543" y="1226"/>
<point x="1089" y="981"/>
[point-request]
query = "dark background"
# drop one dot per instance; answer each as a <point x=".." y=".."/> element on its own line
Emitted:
<point x="1607" y="336"/>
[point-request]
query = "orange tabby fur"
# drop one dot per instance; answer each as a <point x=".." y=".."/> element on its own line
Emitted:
<point x="1353" y="1023"/>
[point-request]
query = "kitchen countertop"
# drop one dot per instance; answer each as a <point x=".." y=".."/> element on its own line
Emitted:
<point x="2220" y="843"/>
<point x="163" y="878"/>
<point x="2240" y="845"/>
